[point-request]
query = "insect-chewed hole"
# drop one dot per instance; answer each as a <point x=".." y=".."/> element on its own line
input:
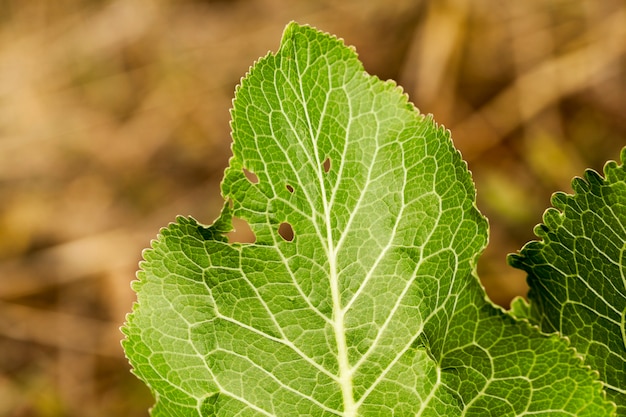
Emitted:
<point x="326" y="164"/>
<point x="286" y="231"/>
<point x="251" y="176"/>
<point x="289" y="188"/>
<point x="241" y="233"/>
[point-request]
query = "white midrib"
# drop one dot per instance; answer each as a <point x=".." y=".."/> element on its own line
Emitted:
<point x="345" y="370"/>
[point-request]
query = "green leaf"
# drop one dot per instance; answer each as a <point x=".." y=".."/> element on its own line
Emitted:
<point x="577" y="273"/>
<point x="520" y="309"/>
<point x="371" y="308"/>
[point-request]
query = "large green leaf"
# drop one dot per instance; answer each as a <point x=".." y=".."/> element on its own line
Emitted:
<point x="371" y="308"/>
<point x="577" y="273"/>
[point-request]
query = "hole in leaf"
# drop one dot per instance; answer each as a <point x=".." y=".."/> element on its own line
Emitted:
<point x="326" y="164"/>
<point x="289" y="188"/>
<point x="251" y="176"/>
<point x="286" y="231"/>
<point x="241" y="233"/>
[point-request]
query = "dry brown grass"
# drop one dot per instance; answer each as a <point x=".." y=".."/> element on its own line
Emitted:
<point x="114" y="119"/>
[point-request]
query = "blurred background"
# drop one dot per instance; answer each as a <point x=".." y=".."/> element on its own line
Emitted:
<point x="114" y="118"/>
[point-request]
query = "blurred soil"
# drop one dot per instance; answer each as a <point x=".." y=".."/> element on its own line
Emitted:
<point x="114" y="118"/>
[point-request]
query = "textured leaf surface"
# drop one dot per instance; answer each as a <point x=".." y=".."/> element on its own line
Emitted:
<point x="577" y="273"/>
<point x="371" y="308"/>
